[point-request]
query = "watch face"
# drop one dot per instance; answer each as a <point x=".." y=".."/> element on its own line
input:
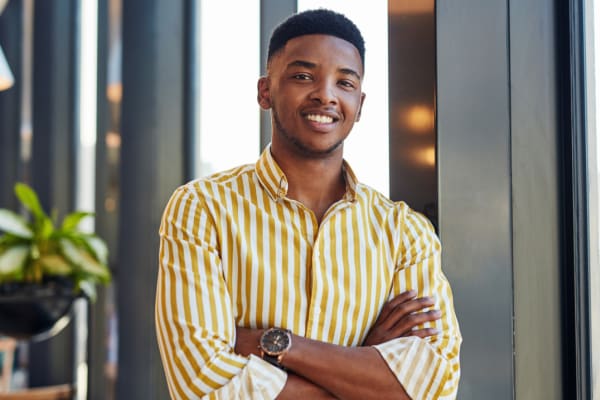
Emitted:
<point x="275" y="341"/>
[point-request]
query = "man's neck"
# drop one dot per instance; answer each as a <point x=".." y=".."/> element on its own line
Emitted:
<point x="316" y="183"/>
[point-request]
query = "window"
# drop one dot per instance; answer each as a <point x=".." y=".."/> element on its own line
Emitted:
<point x="228" y="116"/>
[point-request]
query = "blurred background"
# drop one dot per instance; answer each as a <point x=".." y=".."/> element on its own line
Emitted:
<point x="481" y="115"/>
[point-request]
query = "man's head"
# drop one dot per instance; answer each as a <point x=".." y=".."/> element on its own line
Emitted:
<point x="313" y="85"/>
<point x="312" y="22"/>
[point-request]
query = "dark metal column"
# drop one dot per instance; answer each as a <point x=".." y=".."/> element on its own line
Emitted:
<point x="152" y="166"/>
<point x="536" y="201"/>
<point x="571" y="49"/>
<point x="11" y="25"/>
<point x="272" y="12"/>
<point x="104" y="224"/>
<point x="475" y="187"/>
<point x="53" y="158"/>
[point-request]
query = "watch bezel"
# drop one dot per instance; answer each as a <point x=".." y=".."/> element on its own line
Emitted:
<point x="282" y="333"/>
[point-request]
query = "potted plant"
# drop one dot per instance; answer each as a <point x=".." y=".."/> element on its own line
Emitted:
<point x="44" y="266"/>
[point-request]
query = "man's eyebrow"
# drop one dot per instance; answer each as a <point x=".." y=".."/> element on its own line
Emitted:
<point x="311" y="65"/>
<point x="302" y="63"/>
<point x="350" y="71"/>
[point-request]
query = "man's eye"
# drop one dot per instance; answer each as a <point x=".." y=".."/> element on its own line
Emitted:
<point x="347" y="84"/>
<point x="302" y="77"/>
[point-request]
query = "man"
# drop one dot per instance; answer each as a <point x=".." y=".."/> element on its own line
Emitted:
<point x="289" y="279"/>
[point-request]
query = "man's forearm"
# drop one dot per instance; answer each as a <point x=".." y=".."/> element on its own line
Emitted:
<point x="297" y="388"/>
<point x="351" y="372"/>
<point x="346" y="372"/>
<point x="318" y="370"/>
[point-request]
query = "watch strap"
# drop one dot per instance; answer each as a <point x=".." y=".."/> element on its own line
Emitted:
<point x="273" y="360"/>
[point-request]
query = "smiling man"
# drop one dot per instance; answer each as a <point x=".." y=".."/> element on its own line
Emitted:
<point x="288" y="278"/>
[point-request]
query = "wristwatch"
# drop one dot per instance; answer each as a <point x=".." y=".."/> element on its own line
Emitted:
<point x="274" y="344"/>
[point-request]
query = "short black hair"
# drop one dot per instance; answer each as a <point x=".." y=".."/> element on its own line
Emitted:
<point x="313" y="22"/>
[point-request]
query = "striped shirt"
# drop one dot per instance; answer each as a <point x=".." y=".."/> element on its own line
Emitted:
<point x="235" y="251"/>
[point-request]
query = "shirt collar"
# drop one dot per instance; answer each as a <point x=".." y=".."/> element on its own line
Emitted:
<point x="274" y="181"/>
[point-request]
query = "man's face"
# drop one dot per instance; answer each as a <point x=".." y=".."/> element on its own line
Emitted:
<point x="313" y="88"/>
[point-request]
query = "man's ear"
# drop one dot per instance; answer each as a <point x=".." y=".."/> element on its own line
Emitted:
<point x="362" y="100"/>
<point x="264" y="94"/>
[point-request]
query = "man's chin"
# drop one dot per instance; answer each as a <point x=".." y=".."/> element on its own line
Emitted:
<point x="313" y="151"/>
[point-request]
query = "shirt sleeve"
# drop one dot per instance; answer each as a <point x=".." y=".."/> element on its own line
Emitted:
<point x="194" y="319"/>
<point x="427" y="368"/>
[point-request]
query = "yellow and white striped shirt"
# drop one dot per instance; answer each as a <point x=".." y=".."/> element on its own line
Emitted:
<point x="235" y="251"/>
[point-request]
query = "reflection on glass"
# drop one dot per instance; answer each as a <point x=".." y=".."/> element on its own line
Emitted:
<point x="26" y="87"/>
<point x="418" y="118"/>
<point x="110" y="199"/>
<point x="413" y="176"/>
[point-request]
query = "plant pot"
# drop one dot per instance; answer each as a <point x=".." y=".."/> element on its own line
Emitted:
<point x="35" y="311"/>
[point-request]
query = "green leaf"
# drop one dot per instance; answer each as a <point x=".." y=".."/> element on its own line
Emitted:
<point x="98" y="247"/>
<point x="46" y="227"/>
<point x="8" y="240"/>
<point x="29" y="199"/>
<point x="72" y="220"/>
<point x="55" y="264"/>
<point x="13" y="259"/>
<point x="34" y="250"/>
<point x="89" y="289"/>
<point x="84" y="260"/>
<point x="13" y="223"/>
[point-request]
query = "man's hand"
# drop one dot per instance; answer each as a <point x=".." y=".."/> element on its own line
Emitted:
<point x="399" y="316"/>
<point x="296" y="387"/>
<point x="247" y="340"/>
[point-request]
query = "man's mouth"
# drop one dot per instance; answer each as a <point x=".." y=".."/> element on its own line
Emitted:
<point x="319" y="118"/>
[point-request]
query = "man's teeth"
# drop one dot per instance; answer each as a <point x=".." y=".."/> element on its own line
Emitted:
<point x="322" y="119"/>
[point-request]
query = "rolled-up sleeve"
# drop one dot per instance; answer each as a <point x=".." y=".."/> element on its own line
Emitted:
<point x="194" y="319"/>
<point x="427" y="368"/>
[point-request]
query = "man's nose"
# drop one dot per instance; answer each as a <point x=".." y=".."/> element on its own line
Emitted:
<point x="324" y="93"/>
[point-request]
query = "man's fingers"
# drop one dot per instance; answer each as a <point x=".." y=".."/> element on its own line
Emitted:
<point x="408" y="323"/>
<point x="404" y="310"/>
<point x="402" y="297"/>
<point x="390" y="305"/>
<point x="405" y="327"/>
<point x="423" y="333"/>
<point x="404" y="303"/>
<point x="400" y="315"/>
<point x="412" y="305"/>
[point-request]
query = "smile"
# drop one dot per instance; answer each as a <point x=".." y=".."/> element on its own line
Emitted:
<point x="321" y="119"/>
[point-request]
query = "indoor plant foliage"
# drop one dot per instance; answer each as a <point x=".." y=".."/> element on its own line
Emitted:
<point x="40" y="249"/>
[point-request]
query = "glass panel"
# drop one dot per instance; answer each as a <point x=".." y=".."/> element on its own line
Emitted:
<point x="85" y="173"/>
<point x="20" y="373"/>
<point x="27" y="89"/>
<point x="229" y="69"/>
<point x="593" y="142"/>
<point x="366" y="149"/>
<point x="108" y="181"/>
<point x="113" y="159"/>
<point x="413" y="176"/>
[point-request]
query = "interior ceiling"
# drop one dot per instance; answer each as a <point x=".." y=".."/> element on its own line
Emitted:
<point x="403" y="7"/>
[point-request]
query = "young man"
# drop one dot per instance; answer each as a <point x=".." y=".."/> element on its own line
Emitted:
<point x="289" y="279"/>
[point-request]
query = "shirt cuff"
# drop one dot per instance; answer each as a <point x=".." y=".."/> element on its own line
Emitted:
<point x="258" y="380"/>
<point x="421" y="371"/>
